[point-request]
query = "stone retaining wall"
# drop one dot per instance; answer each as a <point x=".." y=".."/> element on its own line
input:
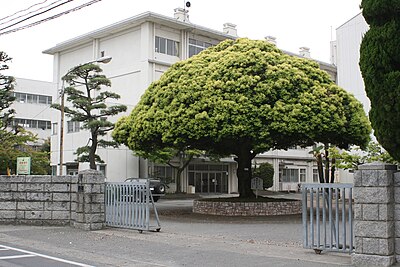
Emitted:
<point x="247" y="208"/>
<point x="53" y="200"/>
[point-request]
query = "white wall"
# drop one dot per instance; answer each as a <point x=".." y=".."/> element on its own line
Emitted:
<point x="348" y="40"/>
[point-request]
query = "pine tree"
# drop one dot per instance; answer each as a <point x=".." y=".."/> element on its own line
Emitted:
<point x="89" y="107"/>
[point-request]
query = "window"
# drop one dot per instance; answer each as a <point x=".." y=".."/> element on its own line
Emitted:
<point x="162" y="172"/>
<point x="54" y="128"/>
<point x="42" y="99"/>
<point x="293" y="175"/>
<point x="72" y="169"/>
<point x="32" y="99"/>
<point x="166" y="46"/>
<point x="54" y="170"/>
<point x="315" y="175"/>
<point x="20" y="97"/>
<point x="196" y="46"/>
<point x="73" y="126"/>
<point x="33" y="124"/>
<point x="102" y="168"/>
<point x="302" y="175"/>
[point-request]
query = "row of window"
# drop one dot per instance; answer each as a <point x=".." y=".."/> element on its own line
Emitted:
<point x="72" y="126"/>
<point x="171" y="47"/>
<point x="32" y="99"/>
<point x="297" y="175"/>
<point x="32" y="124"/>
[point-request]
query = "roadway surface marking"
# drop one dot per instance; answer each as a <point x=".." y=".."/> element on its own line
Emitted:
<point x="27" y="254"/>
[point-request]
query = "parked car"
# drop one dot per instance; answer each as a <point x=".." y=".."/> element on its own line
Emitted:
<point x="157" y="188"/>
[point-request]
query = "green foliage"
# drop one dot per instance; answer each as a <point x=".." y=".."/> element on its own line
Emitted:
<point x="379" y="63"/>
<point x="89" y="107"/>
<point x="15" y="144"/>
<point x="356" y="156"/>
<point x="16" y="141"/>
<point x="6" y="92"/>
<point x="241" y="98"/>
<point x="265" y="171"/>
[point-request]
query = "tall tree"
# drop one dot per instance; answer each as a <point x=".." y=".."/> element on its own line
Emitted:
<point x="380" y="67"/>
<point x="89" y="106"/>
<point x="6" y="92"/>
<point x="242" y="98"/>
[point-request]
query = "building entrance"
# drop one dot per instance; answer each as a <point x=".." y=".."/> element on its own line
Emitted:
<point x="210" y="180"/>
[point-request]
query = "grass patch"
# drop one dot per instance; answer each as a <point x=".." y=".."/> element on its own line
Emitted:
<point x="237" y="199"/>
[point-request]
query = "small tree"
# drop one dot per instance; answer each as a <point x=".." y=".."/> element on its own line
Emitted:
<point x="242" y="98"/>
<point x="356" y="156"/>
<point x="380" y="67"/>
<point x="265" y="171"/>
<point x="89" y="107"/>
<point x="16" y="143"/>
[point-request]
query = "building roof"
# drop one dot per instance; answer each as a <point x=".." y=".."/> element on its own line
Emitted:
<point x="136" y="21"/>
<point x="151" y="17"/>
<point x="349" y="20"/>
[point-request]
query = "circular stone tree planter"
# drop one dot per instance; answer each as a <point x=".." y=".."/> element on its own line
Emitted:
<point x="256" y="208"/>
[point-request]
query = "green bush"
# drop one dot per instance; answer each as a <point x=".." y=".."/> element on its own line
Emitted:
<point x="266" y="172"/>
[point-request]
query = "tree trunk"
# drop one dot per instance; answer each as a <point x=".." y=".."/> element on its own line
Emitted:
<point x="320" y="168"/>
<point x="92" y="152"/>
<point x="178" y="180"/>
<point x="327" y="165"/>
<point x="333" y="169"/>
<point x="244" y="174"/>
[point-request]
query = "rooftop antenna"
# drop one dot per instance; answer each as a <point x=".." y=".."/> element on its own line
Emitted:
<point x="185" y="4"/>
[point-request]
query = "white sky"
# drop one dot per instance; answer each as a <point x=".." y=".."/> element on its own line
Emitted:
<point x="294" y="23"/>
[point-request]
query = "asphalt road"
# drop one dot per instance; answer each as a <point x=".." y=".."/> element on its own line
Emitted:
<point x="185" y="239"/>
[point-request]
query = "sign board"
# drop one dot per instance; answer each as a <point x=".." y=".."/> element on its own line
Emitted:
<point x="257" y="183"/>
<point x="23" y="165"/>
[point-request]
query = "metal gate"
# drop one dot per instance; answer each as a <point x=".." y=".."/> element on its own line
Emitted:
<point x="128" y="206"/>
<point x="328" y="217"/>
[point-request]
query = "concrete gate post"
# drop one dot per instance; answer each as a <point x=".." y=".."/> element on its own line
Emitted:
<point x="374" y="210"/>
<point x="90" y="211"/>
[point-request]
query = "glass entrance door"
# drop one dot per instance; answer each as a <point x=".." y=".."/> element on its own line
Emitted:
<point x="211" y="182"/>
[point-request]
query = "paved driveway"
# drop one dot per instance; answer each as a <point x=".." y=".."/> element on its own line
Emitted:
<point x="185" y="239"/>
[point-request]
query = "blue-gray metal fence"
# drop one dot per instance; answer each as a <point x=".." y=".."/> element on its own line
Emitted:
<point x="328" y="217"/>
<point x="129" y="205"/>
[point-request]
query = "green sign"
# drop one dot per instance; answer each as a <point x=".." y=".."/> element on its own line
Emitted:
<point x="23" y="165"/>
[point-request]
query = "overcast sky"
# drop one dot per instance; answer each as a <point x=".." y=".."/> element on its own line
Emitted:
<point x="294" y="23"/>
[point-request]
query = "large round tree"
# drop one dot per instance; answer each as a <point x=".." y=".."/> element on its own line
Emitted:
<point x="380" y="67"/>
<point x="242" y="98"/>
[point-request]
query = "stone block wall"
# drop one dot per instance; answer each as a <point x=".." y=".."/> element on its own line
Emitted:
<point x="247" y="208"/>
<point x="53" y="200"/>
<point x="376" y="215"/>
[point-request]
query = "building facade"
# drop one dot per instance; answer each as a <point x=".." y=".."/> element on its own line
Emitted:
<point x="346" y="56"/>
<point x="142" y="49"/>
<point x="32" y="106"/>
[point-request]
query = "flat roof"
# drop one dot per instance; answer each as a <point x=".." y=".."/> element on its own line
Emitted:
<point x="151" y="17"/>
<point x="135" y="21"/>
